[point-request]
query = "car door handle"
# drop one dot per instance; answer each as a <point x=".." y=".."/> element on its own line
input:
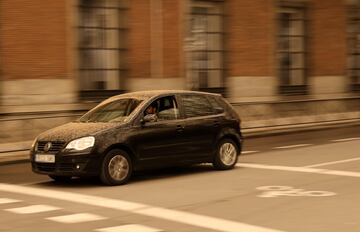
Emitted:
<point x="180" y="128"/>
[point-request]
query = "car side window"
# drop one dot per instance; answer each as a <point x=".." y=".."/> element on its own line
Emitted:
<point x="217" y="107"/>
<point x="196" y="105"/>
<point x="165" y="108"/>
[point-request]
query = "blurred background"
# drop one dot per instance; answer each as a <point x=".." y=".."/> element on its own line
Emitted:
<point x="293" y="63"/>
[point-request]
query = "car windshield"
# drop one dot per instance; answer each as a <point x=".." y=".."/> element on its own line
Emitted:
<point x="114" y="111"/>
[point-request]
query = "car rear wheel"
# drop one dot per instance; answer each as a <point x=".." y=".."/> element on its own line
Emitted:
<point x="60" y="178"/>
<point x="226" y="155"/>
<point x="116" y="168"/>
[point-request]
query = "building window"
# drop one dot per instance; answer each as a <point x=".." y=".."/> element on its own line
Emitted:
<point x="206" y="38"/>
<point x="291" y="48"/>
<point x="102" y="44"/>
<point x="354" y="46"/>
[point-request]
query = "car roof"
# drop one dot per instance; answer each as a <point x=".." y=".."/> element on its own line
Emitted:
<point x="153" y="93"/>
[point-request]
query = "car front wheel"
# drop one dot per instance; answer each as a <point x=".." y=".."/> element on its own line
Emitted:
<point x="116" y="168"/>
<point x="226" y="155"/>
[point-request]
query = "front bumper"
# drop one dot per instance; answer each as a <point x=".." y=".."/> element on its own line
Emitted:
<point x="80" y="164"/>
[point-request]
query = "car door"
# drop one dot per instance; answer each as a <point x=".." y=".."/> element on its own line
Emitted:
<point x="161" y="141"/>
<point x="202" y="125"/>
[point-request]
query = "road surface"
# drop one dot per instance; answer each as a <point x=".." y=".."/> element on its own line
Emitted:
<point x="308" y="181"/>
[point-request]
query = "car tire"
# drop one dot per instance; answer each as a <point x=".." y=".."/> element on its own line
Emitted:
<point x="226" y="155"/>
<point x="61" y="179"/>
<point x="116" y="168"/>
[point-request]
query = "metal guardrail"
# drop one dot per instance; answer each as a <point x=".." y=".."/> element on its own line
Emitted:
<point x="40" y="115"/>
<point x="302" y="100"/>
<point x="54" y="114"/>
<point x="340" y="121"/>
<point x="29" y="126"/>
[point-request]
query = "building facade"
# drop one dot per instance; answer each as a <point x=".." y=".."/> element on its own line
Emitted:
<point x="271" y="58"/>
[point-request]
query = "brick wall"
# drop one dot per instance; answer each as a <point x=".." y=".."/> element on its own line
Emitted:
<point x="166" y="36"/>
<point x="33" y="39"/>
<point x="327" y="31"/>
<point x="139" y="39"/>
<point x="34" y="43"/>
<point x="172" y="47"/>
<point x="251" y="37"/>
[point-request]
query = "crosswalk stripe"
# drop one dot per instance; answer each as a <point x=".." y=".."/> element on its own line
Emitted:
<point x="33" y="209"/>
<point x="76" y="218"/>
<point x="129" y="228"/>
<point x="8" y="200"/>
<point x="188" y="218"/>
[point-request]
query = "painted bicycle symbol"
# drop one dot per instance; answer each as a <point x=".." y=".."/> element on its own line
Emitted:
<point x="277" y="191"/>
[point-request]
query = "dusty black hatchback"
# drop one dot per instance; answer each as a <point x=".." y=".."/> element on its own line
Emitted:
<point x="141" y="130"/>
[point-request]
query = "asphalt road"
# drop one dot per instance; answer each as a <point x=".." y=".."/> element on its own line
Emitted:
<point x="299" y="182"/>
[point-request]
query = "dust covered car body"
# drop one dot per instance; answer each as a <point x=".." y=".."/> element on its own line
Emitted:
<point x="141" y="130"/>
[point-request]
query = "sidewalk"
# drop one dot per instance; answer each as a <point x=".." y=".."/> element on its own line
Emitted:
<point x="19" y="152"/>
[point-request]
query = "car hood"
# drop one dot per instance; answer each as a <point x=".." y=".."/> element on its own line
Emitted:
<point x="74" y="130"/>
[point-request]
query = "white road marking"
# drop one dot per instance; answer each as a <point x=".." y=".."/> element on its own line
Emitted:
<point x="277" y="167"/>
<point x="293" y="146"/>
<point x="345" y="140"/>
<point x="248" y="152"/>
<point x="300" y="169"/>
<point x="129" y="228"/>
<point x="141" y="209"/>
<point x="276" y="191"/>
<point x="8" y="201"/>
<point x="76" y="218"/>
<point x="201" y="220"/>
<point x="333" y="162"/>
<point x="33" y="209"/>
<point x="342" y="173"/>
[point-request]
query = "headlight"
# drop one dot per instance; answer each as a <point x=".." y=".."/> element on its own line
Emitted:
<point x="81" y="144"/>
<point x="33" y="144"/>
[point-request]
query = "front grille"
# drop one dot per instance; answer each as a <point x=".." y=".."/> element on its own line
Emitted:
<point x="56" y="146"/>
<point x="61" y="167"/>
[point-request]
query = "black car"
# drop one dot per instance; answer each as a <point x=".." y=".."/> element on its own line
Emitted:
<point x="141" y="130"/>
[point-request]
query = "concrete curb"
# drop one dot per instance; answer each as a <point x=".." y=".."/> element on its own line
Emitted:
<point x="14" y="157"/>
<point x="14" y="147"/>
<point x="295" y="128"/>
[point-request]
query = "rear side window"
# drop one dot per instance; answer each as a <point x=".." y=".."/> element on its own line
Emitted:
<point x="229" y="108"/>
<point x="196" y="105"/>
<point x="217" y="107"/>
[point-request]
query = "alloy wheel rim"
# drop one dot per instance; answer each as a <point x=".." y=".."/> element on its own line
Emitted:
<point x="118" y="167"/>
<point x="228" y="154"/>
